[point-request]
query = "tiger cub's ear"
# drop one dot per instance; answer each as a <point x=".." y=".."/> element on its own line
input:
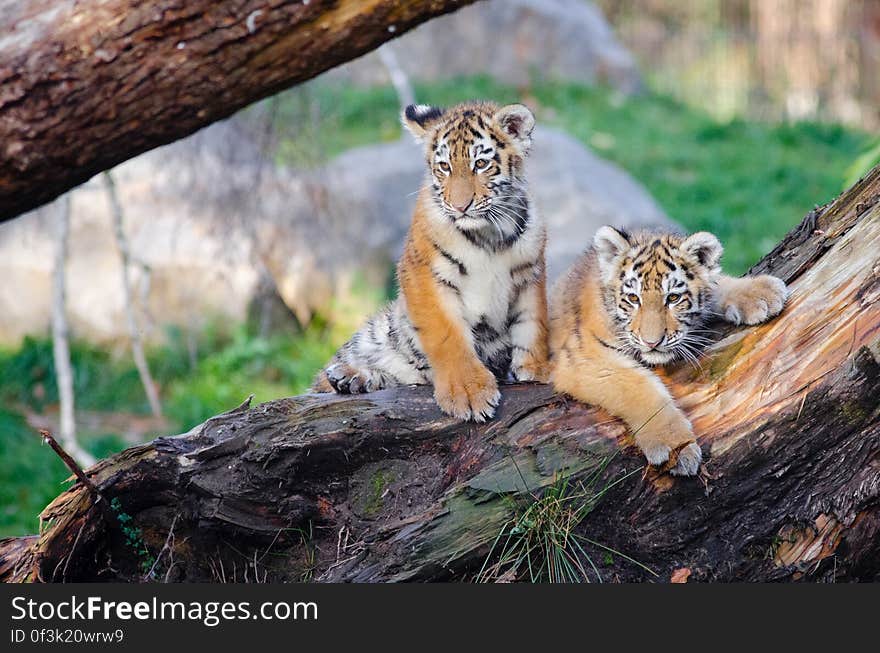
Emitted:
<point x="704" y="247"/>
<point x="609" y="243"/>
<point x="517" y="121"/>
<point x="419" y="119"/>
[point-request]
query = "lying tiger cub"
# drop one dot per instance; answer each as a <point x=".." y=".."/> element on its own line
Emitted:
<point x="635" y="300"/>
<point x="472" y="304"/>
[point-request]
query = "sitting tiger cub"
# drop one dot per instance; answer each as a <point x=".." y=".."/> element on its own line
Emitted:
<point x="641" y="299"/>
<point x="472" y="303"/>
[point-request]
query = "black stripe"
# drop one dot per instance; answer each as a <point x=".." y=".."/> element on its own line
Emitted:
<point x="372" y="333"/>
<point x="393" y="337"/>
<point x="517" y="293"/>
<point x="512" y="318"/>
<point x="577" y="323"/>
<point x="516" y="269"/>
<point x="449" y="257"/>
<point x="421" y="118"/>
<point x="605" y="344"/>
<point x="415" y="357"/>
<point x="447" y="283"/>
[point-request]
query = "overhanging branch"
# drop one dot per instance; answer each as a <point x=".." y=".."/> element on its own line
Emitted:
<point x="87" y="84"/>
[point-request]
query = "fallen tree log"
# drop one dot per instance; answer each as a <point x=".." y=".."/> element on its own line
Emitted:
<point x="384" y="487"/>
<point x="87" y="84"/>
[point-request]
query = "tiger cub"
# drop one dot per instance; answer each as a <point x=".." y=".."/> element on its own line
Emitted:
<point x="472" y="306"/>
<point x="636" y="300"/>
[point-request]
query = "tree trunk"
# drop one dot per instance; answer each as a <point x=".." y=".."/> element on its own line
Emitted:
<point x="384" y="487"/>
<point x="402" y="86"/>
<point x="134" y="331"/>
<point x="61" y="340"/>
<point x="87" y="84"/>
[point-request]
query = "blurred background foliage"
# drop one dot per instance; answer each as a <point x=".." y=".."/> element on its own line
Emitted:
<point x="734" y="132"/>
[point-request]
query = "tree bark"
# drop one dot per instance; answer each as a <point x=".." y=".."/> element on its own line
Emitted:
<point x="384" y="487"/>
<point x="87" y="84"/>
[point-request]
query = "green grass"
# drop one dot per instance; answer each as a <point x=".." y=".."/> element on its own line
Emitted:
<point x="27" y="378"/>
<point x="747" y="182"/>
<point x="31" y="475"/>
<point x="268" y="368"/>
<point x="860" y="167"/>
<point x="227" y="369"/>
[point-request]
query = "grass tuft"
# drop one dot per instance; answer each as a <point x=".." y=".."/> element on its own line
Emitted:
<point x="539" y="544"/>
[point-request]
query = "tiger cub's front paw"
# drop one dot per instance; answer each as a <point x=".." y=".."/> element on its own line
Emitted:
<point x="667" y="435"/>
<point x="688" y="461"/>
<point x="752" y="300"/>
<point x="470" y="392"/>
<point x="527" y="367"/>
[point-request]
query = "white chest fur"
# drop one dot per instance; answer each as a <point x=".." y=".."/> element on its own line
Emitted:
<point x="486" y="290"/>
<point x="478" y="283"/>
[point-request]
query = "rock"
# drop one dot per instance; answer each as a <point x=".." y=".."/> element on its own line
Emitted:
<point x="196" y="265"/>
<point x="211" y="224"/>
<point x="577" y="192"/>
<point x="513" y="41"/>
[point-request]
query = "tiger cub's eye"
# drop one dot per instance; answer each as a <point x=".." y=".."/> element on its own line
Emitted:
<point x="632" y="298"/>
<point x="481" y="163"/>
<point x="672" y="298"/>
<point x="443" y="166"/>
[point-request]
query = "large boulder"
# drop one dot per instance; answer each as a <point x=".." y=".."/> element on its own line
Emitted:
<point x="209" y="222"/>
<point x="513" y="41"/>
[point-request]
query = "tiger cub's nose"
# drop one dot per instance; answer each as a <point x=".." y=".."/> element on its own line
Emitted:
<point x="652" y="344"/>
<point x="463" y="207"/>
